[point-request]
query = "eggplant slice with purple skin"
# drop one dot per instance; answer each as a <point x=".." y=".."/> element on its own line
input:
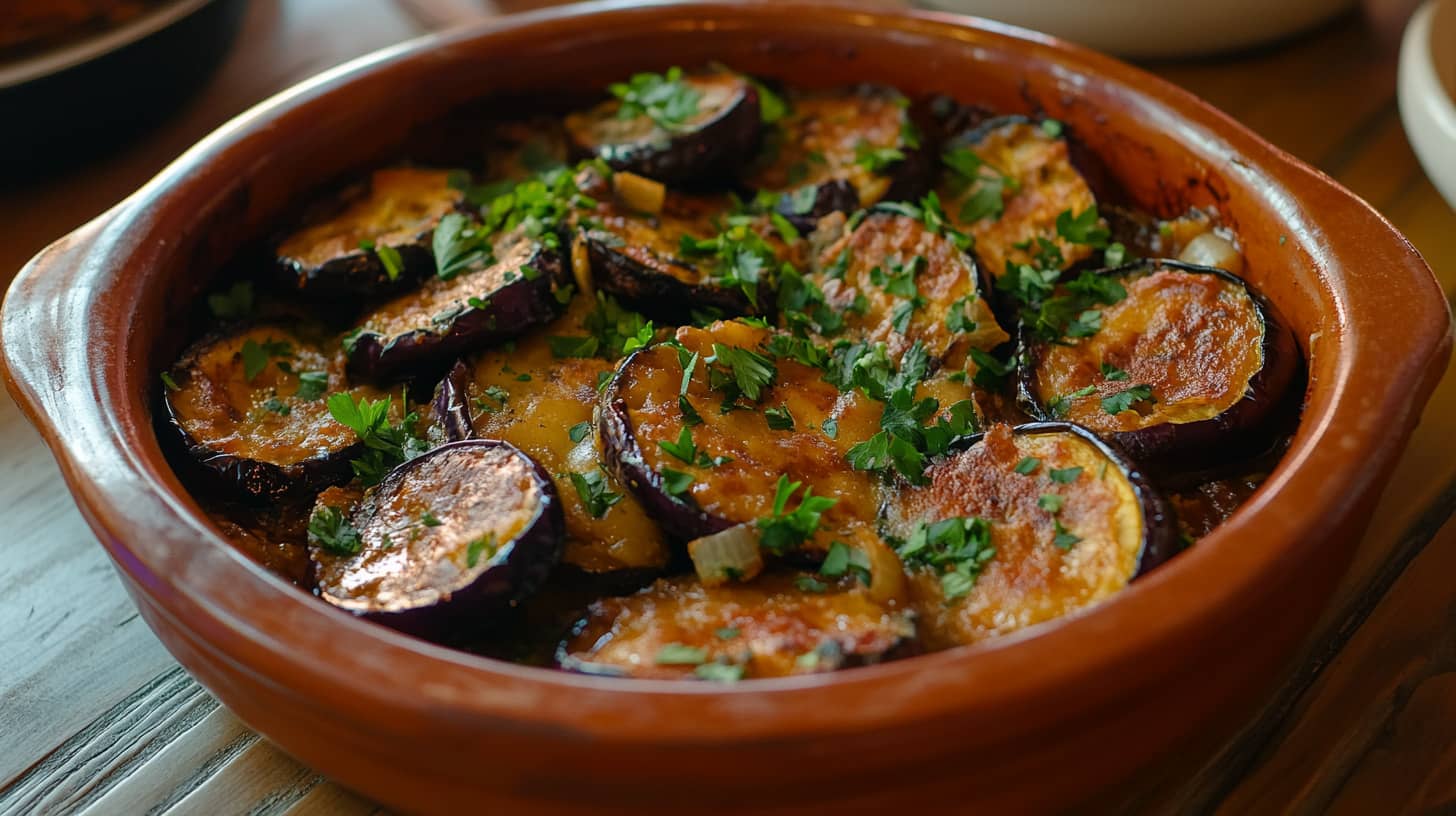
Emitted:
<point x="1185" y="370"/>
<point x="249" y="407"/>
<point x="1022" y="526"/>
<point x="771" y="627"/>
<point x="1005" y="182"/>
<point x="448" y="317"/>
<point x="639" y="258"/>
<point x="684" y="128"/>
<point x="840" y="150"/>
<point x="543" y="404"/>
<point x="342" y="254"/>
<point x="737" y="455"/>
<point x="449" y="538"/>
<point x="897" y="282"/>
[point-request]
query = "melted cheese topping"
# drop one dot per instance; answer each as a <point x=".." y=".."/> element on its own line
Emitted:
<point x="1197" y="339"/>
<point x="1046" y="185"/>
<point x="474" y="492"/>
<point x="743" y="489"/>
<point x="771" y="623"/>
<point x="1029" y="580"/>
<point x="224" y="412"/>
<point x="538" y="416"/>
<point x="818" y="141"/>
<point x="947" y="280"/>
<point x="402" y="204"/>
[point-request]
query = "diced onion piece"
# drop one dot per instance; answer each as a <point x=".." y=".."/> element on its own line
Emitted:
<point x="1212" y="249"/>
<point x="581" y="266"/>
<point x="639" y="193"/>
<point x="730" y="555"/>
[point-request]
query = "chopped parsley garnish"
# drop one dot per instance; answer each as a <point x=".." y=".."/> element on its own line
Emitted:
<point x="679" y="654"/>
<point x="1083" y="228"/>
<point x="170" y="383"/>
<point x="666" y="99"/>
<point x="1027" y="465"/>
<point x="458" y="245"/>
<point x="808" y="583"/>
<point x="256" y="355"/>
<point x="485" y="545"/>
<point x="312" y="385"/>
<point x="779" y="419"/>
<point x="429" y="519"/>
<point x="1050" y="502"/>
<point x="493" y="399"/>
<point x="1065" y="475"/>
<point x="719" y="672"/>
<point x="958" y="548"/>
<point x="234" y="304"/>
<point x="592" y="488"/>
<point x="1112" y="373"/>
<point x="1063" y="402"/>
<point x="784" y="530"/>
<point x="277" y="406"/>
<point x="728" y="632"/>
<point x="1064" y="539"/>
<point x="683" y="448"/>
<point x="389" y="258"/>
<point x="615" y="331"/>
<point x="1125" y="400"/>
<point x="958" y="318"/>
<point x="386" y="445"/>
<point x="330" y="529"/>
<point x="1114" y="255"/>
<point x="579" y="431"/>
<point x="738" y="256"/>
<point x="751" y="372"/>
<point x="842" y="558"/>
<point x="876" y="159"/>
<point x="675" y="482"/>
<point x="1052" y="128"/>
<point x="991" y="373"/>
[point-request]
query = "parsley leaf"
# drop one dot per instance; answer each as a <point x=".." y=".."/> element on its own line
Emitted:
<point x="1112" y="373"/>
<point x="312" y="385"/>
<point x="958" y="548"/>
<point x="784" y="530"/>
<point x="675" y="482"/>
<point x="751" y="371"/>
<point x="458" y="245"/>
<point x="1083" y="228"/>
<point x="1125" y="400"/>
<point x="1065" y="475"/>
<point x="779" y="419"/>
<point x="876" y="159"/>
<point x="1064" y="539"/>
<point x="331" y="530"/>
<point x="666" y="99"/>
<point x="591" y="487"/>
<point x="1027" y="465"/>
<point x="579" y="431"/>
<point x="386" y="445"/>
<point x="678" y="654"/>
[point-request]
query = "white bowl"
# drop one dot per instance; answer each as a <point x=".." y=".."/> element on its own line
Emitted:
<point x="1156" y="28"/>
<point x="1426" y="107"/>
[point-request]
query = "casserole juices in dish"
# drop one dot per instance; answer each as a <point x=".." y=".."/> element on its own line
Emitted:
<point x="719" y="378"/>
<point x="1185" y="648"/>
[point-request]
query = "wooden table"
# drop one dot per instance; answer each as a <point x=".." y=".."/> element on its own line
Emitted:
<point x="94" y="714"/>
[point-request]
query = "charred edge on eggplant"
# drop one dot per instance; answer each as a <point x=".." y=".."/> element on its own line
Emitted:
<point x="707" y="147"/>
<point x="657" y="294"/>
<point x="352" y="272"/>
<point x="496" y="574"/>
<point x="476" y="309"/>
<point x="1233" y="433"/>
<point x="450" y="409"/>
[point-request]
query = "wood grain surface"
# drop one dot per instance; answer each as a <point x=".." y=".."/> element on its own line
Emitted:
<point x="95" y="717"/>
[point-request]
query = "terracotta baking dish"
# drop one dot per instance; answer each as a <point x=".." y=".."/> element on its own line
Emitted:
<point x="1041" y="719"/>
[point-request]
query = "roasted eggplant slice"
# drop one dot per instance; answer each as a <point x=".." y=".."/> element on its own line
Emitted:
<point x="841" y="150"/>
<point x="1006" y="182"/>
<point x="778" y="625"/>
<point x="1183" y="370"/>
<point x="543" y="404"/>
<point x="448" y="317"/>
<point x="449" y="537"/>
<point x="250" y="408"/>
<point x="640" y="258"/>
<point x="1022" y="527"/>
<point x="342" y="255"/>
<point x="675" y="127"/>
<point x="897" y="282"/>
<point x="749" y="419"/>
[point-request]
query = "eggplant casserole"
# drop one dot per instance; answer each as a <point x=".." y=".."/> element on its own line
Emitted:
<point x="717" y="380"/>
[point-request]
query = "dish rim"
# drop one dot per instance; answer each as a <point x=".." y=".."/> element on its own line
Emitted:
<point x="433" y="678"/>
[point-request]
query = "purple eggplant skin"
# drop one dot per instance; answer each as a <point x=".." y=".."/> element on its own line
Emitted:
<point x="450" y="409"/>
<point x="1242" y="431"/>
<point x="622" y="455"/>
<point x="511" y="307"/>
<point x="357" y="275"/>
<point x="1161" y="539"/>
<point x="658" y="295"/>
<point x="706" y="150"/>
<point x="488" y="589"/>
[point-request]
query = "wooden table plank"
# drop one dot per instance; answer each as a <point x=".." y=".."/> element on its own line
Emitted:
<point x="1375" y="717"/>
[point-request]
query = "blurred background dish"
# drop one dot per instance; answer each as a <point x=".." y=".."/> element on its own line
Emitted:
<point x="1426" y="90"/>
<point x="79" y="76"/>
<point x="1156" y="28"/>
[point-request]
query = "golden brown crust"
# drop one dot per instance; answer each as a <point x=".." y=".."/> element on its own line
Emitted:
<point x="401" y="205"/>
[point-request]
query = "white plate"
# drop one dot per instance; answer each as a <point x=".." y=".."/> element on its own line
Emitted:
<point x="1426" y="107"/>
<point x="1156" y="28"/>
